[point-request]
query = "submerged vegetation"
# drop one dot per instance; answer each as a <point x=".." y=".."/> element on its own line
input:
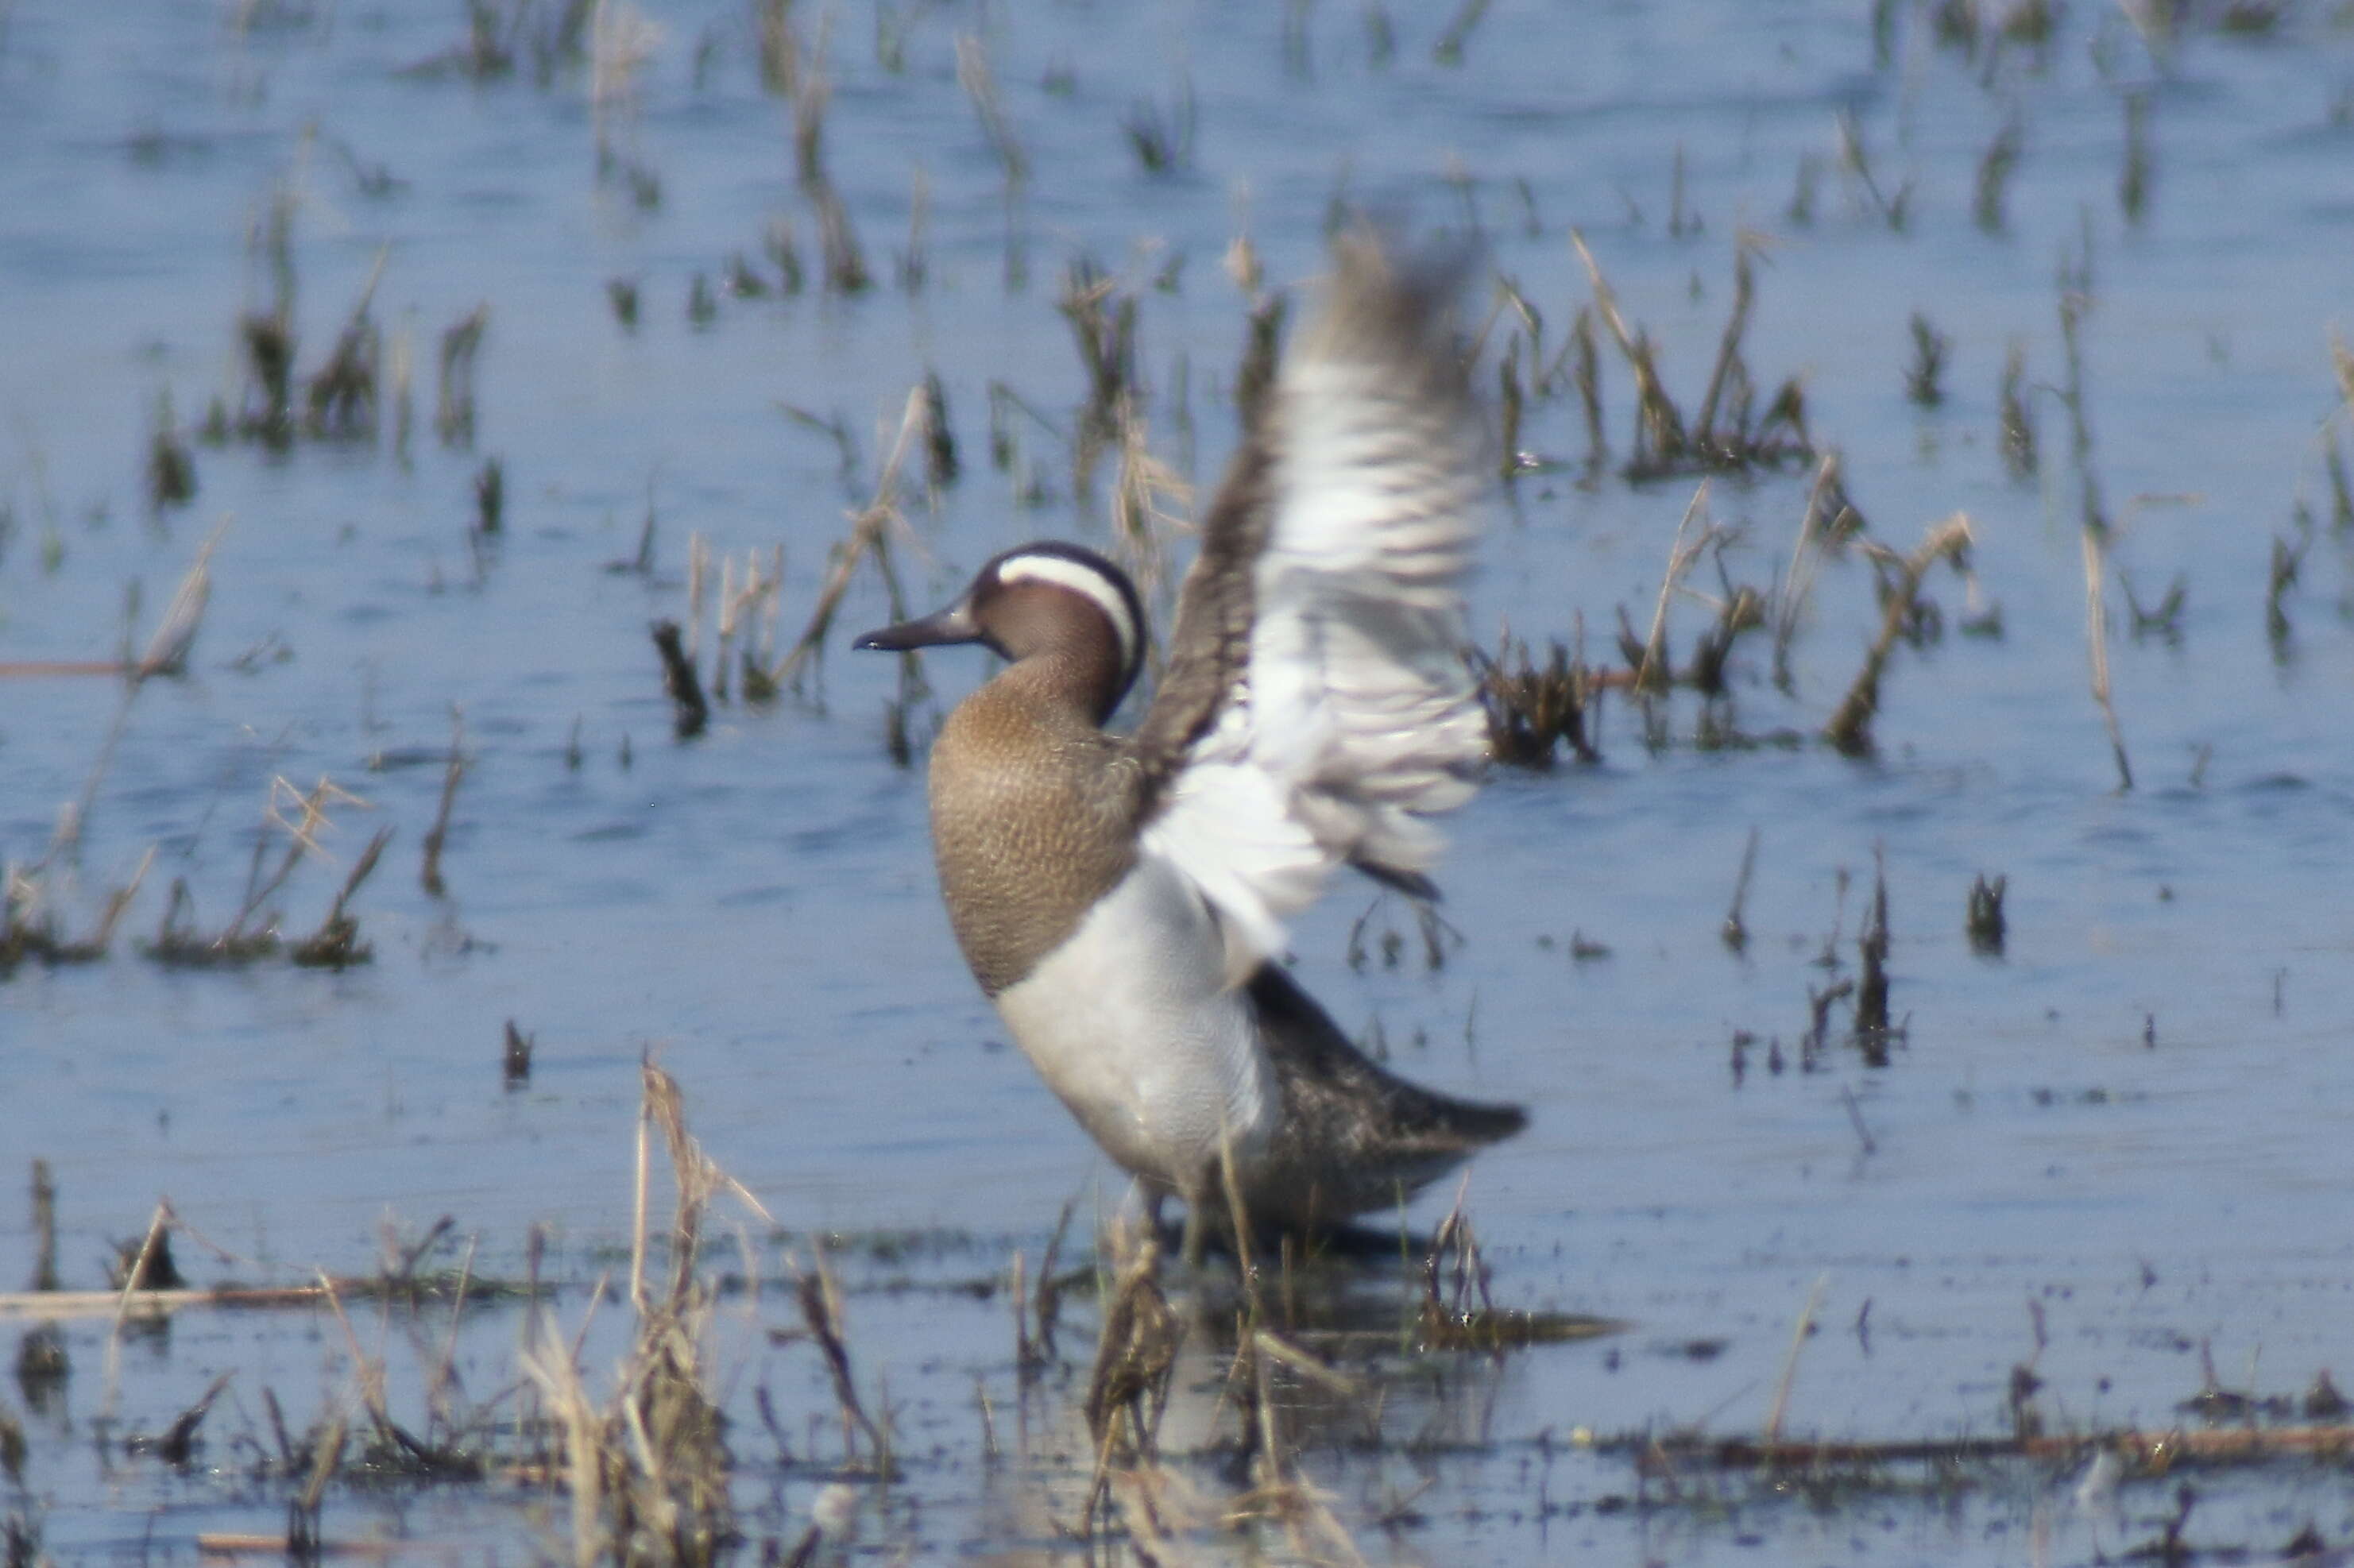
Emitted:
<point x="727" y="1360"/>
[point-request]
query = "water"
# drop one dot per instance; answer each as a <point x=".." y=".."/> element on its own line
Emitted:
<point x="2134" y="1119"/>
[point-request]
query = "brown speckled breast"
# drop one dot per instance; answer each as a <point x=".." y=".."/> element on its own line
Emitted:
<point x="1034" y="813"/>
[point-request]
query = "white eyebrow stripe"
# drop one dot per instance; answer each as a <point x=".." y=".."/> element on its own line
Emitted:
<point x="1083" y="579"/>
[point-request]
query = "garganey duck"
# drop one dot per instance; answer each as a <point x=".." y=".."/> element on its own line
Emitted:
<point x="1121" y="897"/>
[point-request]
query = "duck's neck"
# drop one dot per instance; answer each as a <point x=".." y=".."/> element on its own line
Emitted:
<point x="1082" y="681"/>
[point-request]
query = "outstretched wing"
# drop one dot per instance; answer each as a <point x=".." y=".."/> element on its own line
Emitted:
<point x="1319" y="709"/>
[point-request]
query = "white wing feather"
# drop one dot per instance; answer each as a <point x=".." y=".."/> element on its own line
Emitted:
<point x="1357" y="718"/>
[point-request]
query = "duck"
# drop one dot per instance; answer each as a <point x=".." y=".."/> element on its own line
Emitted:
<point x="1121" y="896"/>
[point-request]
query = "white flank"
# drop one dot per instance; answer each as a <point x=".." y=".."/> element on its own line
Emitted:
<point x="1133" y="1026"/>
<point x="1083" y="579"/>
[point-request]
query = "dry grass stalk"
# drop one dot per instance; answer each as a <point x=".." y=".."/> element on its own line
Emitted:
<point x="430" y="874"/>
<point x="835" y="429"/>
<point x="30" y="930"/>
<point x="1855" y="162"/>
<point x="2134" y="179"/>
<point x="699" y="572"/>
<point x="1163" y="142"/>
<point x="1149" y="503"/>
<point x="335" y="945"/>
<point x="1738" y="609"/>
<point x="1923" y="376"/>
<point x="1873" y="1029"/>
<point x="1136" y="1354"/>
<point x="1850" y="728"/>
<point x="1995" y="168"/>
<point x="140" y="1273"/>
<point x="1241" y="262"/>
<point x="870" y="536"/>
<point x="171" y="465"/>
<point x="649" y="1470"/>
<point x="341" y="400"/>
<point x="819" y="1294"/>
<point x="157" y="1302"/>
<point x="440" y="1454"/>
<point x="980" y="85"/>
<point x="303" y="816"/>
<point x="2016" y="420"/>
<point x="844" y="260"/>
<point x="2288" y="561"/>
<point x="1508" y="297"/>
<point x="453" y="396"/>
<point x="973" y="74"/>
<point x="689" y="711"/>
<point x="1514" y="462"/>
<point x="1801" y="208"/>
<point x="177" y="1443"/>
<point x="45" y="1230"/>
<point x="514" y="1056"/>
<point x="1454" y="1275"/>
<point x="269" y="337"/>
<point x="780" y="47"/>
<point x="1827" y="519"/>
<point x="400" y="371"/>
<point x="1281" y="1492"/>
<point x="1448" y="50"/>
<point x="1735" y="931"/>
<point x="1799" y="1335"/>
<point x="1659" y="429"/>
<point x="1725" y="436"/>
<point x="2096" y="641"/>
<point x="940" y="465"/>
<point x="175" y="634"/>
<point x="1586" y="371"/>
<point x="1103" y="323"/>
<point x="1728" y="382"/>
<point x="304" y="1542"/>
<point x="1651" y="673"/>
<point x="746" y="606"/>
<point x="621" y="43"/>
<point x="1985" y="923"/>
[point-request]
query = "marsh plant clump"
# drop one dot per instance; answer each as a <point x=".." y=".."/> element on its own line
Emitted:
<point x="1726" y="432"/>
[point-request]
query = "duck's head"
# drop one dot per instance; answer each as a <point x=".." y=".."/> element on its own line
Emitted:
<point x="1043" y="600"/>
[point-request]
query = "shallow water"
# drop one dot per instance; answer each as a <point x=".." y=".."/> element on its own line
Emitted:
<point x="2136" y="1120"/>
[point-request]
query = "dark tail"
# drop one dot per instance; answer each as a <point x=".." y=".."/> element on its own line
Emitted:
<point x="1318" y="1056"/>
